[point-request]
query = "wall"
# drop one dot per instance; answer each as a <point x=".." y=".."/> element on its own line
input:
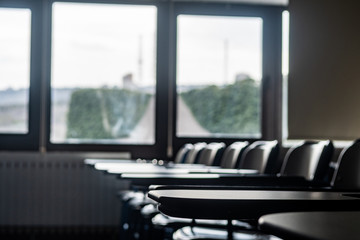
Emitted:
<point x="324" y="76"/>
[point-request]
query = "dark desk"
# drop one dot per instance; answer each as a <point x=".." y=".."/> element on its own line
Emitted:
<point x="153" y="172"/>
<point x="117" y="167"/>
<point x="120" y="168"/>
<point x="105" y="166"/>
<point x="313" y="225"/>
<point x="247" y="204"/>
<point x="93" y="161"/>
<point x="241" y="179"/>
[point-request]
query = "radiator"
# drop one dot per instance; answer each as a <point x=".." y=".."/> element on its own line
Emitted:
<point x="56" y="190"/>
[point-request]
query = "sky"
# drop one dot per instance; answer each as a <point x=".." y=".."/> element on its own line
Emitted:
<point x="214" y="49"/>
<point x="95" y="45"/>
<point x="14" y="48"/>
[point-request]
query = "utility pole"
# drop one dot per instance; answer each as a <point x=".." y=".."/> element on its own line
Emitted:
<point x="140" y="60"/>
<point x="226" y="58"/>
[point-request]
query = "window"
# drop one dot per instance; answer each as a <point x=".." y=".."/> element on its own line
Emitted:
<point x="227" y="73"/>
<point x="103" y="73"/>
<point x="138" y="76"/>
<point x="285" y="72"/>
<point x="15" y="44"/>
<point x="219" y="72"/>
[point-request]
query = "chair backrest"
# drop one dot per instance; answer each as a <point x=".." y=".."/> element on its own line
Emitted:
<point x="347" y="172"/>
<point x="310" y="160"/>
<point x="210" y="155"/>
<point x="182" y="153"/>
<point x="232" y="154"/>
<point x="194" y="153"/>
<point x="260" y="156"/>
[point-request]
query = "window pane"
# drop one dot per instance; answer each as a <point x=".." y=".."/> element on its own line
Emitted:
<point x="285" y="72"/>
<point x="15" y="27"/>
<point x="103" y="73"/>
<point x="219" y="71"/>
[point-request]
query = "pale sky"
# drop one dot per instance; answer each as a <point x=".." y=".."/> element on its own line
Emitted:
<point x="97" y="44"/>
<point x="14" y="48"/>
<point x="206" y="43"/>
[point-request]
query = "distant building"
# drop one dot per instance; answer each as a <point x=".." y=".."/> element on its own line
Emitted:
<point x="241" y="76"/>
<point x="128" y="82"/>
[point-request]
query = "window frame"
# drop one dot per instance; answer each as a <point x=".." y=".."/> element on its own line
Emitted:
<point x="166" y="141"/>
<point x="158" y="149"/>
<point x="30" y="140"/>
<point x="271" y="66"/>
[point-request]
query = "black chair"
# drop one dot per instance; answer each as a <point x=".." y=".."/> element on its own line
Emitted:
<point x="193" y="155"/>
<point x="232" y="154"/>
<point x="199" y="153"/>
<point x="183" y="152"/>
<point x="309" y="159"/>
<point x="260" y="156"/>
<point x="346" y="178"/>
<point x="347" y="168"/>
<point x="133" y="200"/>
<point x="212" y="155"/>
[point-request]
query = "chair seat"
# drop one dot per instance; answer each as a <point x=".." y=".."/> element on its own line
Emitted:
<point x="187" y="233"/>
<point x="162" y="220"/>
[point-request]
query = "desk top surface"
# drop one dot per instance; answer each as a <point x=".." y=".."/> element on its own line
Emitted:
<point x="169" y="173"/>
<point x="239" y="179"/>
<point x="244" y="195"/>
<point x="150" y="168"/>
<point x="248" y="204"/>
<point x="313" y="225"/>
<point x="93" y="161"/>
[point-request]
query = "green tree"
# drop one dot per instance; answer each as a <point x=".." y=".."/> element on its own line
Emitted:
<point x="105" y="113"/>
<point x="232" y="109"/>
